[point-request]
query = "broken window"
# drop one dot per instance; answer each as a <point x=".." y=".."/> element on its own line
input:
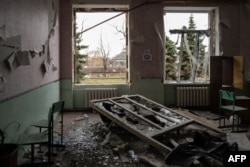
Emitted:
<point x="101" y="42"/>
<point x="189" y="39"/>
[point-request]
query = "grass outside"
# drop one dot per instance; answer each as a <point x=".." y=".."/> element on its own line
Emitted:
<point x="103" y="81"/>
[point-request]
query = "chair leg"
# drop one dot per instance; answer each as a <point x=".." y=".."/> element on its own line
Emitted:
<point x="222" y="116"/>
<point x="52" y="139"/>
<point x="62" y="129"/>
<point x="40" y="146"/>
<point x="49" y="146"/>
<point x="238" y="122"/>
<point x="237" y="126"/>
<point x="224" y="121"/>
<point x="32" y="154"/>
<point x="219" y="122"/>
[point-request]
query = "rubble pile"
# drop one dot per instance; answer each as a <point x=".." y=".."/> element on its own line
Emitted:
<point x="96" y="145"/>
<point x="135" y="131"/>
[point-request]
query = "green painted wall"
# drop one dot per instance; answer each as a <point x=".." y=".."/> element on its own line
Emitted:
<point x="28" y="108"/>
<point x="170" y="93"/>
<point x="74" y="95"/>
<point x="79" y="101"/>
<point x="67" y="93"/>
<point x="149" y="88"/>
<point x="154" y="89"/>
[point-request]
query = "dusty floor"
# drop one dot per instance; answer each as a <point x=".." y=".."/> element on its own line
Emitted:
<point x="93" y="145"/>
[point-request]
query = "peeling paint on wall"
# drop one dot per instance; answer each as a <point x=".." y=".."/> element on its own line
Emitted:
<point x="29" y="38"/>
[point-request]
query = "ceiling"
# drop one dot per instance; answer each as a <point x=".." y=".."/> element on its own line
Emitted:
<point x="200" y="1"/>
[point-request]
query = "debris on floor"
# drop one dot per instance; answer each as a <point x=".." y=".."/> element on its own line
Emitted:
<point x="202" y="147"/>
<point x="163" y="130"/>
<point x="241" y="139"/>
<point x="138" y="132"/>
<point x="96" y="145"/>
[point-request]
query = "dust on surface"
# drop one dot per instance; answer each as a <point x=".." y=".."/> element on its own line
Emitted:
<point x="95" y="145"/>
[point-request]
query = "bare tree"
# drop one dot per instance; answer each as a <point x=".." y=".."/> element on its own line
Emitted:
<point x="121" y="30"/>
<point x="105" y="53"/>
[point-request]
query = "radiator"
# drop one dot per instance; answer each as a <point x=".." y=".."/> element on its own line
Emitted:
<point x="99" y="93"/>
<point x="192" y="96"/>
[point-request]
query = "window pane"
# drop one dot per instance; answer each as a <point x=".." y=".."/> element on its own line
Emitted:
<point x="187" y="47"/>
<point x="104" y="34"/>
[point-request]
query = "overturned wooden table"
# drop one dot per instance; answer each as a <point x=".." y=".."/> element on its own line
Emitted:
<point x="145" y="118"/>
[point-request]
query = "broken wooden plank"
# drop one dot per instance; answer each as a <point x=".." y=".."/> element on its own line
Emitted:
<point x="200" y="120"/>
<point x="130" y="128"/>
<point x="139" y="116"/>
<point x="172" y="128"/>
<point x="144" y="128"/>
<point x="186" y="114"/>
<point x="151" y="162"/>
<point x="157" y="113"/>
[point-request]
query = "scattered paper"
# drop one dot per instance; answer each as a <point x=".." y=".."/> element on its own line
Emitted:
<point x="45" y="66"/>
<point x="54" y="68"/>
<point x="33" y="53"/>
<point x="11" y="61"/>
<point x="23" y="58"/>
<point x="13" y="42"/>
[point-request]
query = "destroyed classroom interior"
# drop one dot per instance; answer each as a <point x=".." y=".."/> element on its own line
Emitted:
<point x="48" y="119"/>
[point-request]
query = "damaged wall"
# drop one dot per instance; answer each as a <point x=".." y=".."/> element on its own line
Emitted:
<point x="244" y="44"/>
<point x="146" y="24"/>
<point x="29" y="28"/>
<point x="143" y="72"/>
<point x="230" y="32"/>
<point x="146" y="75"/>
<point x="150" y="28"/>
<point x="29" y="59"/>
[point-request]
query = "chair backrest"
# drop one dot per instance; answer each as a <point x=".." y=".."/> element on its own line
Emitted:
<point x="57" y="107"/>
<point x="227" y="95"/>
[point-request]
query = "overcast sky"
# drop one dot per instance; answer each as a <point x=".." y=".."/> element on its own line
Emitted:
<point x="109" y="34"/>
<point x="178" y="20"/>
<point x="92" y="37"/>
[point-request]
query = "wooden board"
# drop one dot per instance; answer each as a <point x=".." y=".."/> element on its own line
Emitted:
<point x="145" y="118"/>
<point x="201" y="120"/>
<point x="238" y="68"/>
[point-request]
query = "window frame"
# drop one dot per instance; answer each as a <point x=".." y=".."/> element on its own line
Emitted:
<point x="100" y="8"/>
<point x="213" y="22"/>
